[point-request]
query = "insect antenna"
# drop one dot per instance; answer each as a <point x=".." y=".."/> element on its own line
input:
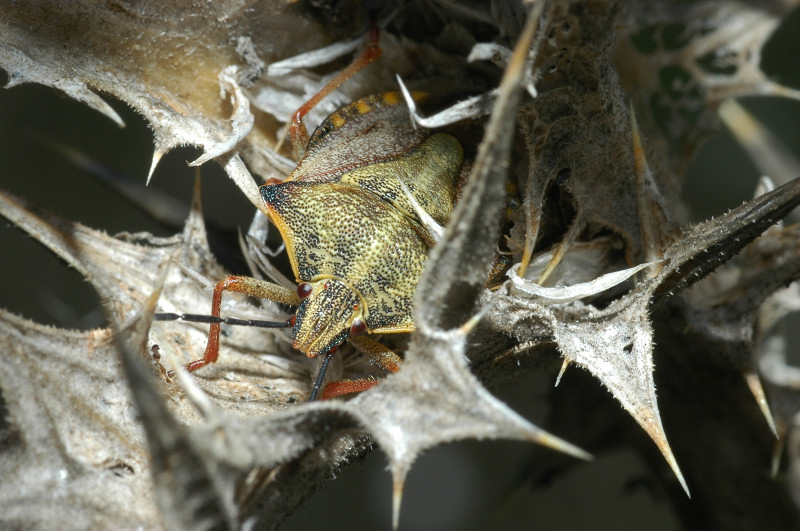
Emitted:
<point x="321" y="374"/>
<point x="210" y="319"/>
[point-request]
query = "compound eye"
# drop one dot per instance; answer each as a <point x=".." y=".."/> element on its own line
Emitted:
<point x="304" y="290"/>
<point x="358" y="327"/>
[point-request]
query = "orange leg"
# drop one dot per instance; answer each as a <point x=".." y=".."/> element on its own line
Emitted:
<point x="346" y="387"/>
<point x="247" y="285"/>
<point x="297" y="130"/>
<point x="383" y="356"/>
<point x="380" y="354"/>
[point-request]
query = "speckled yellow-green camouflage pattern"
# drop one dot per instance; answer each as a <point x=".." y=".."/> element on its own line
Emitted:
<point x="349" y="228"/>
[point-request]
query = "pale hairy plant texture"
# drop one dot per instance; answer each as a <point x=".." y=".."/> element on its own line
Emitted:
<point x="579" y="118"/>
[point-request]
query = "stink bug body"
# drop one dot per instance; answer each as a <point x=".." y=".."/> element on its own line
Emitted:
<point x="355" y="242"/>
<point x="351" y="232"/>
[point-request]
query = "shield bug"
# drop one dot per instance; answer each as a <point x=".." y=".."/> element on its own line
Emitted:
<point x="355" y="241"/>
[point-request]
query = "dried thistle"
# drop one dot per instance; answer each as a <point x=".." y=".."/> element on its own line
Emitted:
<point x="93" y="437"/>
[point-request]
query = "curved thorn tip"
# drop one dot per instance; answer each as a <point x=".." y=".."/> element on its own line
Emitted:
<point x="754" y="384"/>
<point x="157" y="154"/>
<point x="551" y="441"/>
<point x="561" y="372"/>
<point x="397" y="498"/>
<point x="652" y="426"/>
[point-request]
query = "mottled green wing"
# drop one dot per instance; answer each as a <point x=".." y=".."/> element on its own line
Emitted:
<point x="430" y="171"/>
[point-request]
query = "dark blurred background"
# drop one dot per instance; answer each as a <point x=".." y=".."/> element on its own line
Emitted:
<point x="470" y="485"/>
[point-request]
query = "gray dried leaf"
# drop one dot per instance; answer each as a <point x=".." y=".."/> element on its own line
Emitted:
<point x="679" y="81"/>
<point x="231" y="446"/>
<point x="71" y="440"/>
<point x="565" y="294"/>
<point x="705" y="246"/>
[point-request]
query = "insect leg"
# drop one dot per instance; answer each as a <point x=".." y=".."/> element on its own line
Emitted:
<point x="346" y="387"/>
<point x="385" y="357"/>
<point x="249" y="286"/>
<point x="379" y="353"/>
<point x="297" y="130"/>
